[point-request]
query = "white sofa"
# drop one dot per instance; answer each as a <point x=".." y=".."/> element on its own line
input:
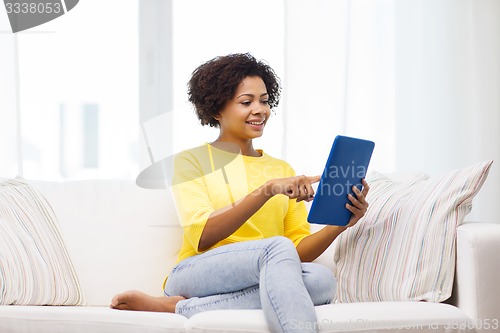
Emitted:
<point x="122" y="237"/>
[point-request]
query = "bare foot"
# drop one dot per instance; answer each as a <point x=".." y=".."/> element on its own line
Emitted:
<point x="139" y="301"/>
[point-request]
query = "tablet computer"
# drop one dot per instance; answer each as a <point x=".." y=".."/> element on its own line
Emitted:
<point x="346" y="166"/>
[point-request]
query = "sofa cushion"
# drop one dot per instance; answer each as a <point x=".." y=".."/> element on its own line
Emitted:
<point x="367" y="317"/>
<point x="35" y="268"/>
<point x="325" y="258"/>
<point x="27" y="319"/>
<point x="119" y="236"/>
<point x="404" y="247"/>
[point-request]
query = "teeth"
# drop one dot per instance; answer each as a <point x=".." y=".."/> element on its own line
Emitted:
<point x="256" y="122"/>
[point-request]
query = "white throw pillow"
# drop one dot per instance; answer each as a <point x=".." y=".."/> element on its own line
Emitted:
<point x="35" y="268"/>
<point x="404" y="247"/>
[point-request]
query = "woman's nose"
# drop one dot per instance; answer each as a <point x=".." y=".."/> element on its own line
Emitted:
<point x="259" y="109"/>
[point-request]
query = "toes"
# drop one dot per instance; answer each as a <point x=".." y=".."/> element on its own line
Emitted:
<point x="119" y="301"/>
<point x="121" y="306"/>
<point x="116" y="300"/>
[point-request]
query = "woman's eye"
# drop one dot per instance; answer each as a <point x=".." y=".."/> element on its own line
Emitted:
<point x="265" y="102"/>
<point x="246" y="102"/>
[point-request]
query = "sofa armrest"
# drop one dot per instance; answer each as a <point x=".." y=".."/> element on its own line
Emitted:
<point x="477" y="289"/>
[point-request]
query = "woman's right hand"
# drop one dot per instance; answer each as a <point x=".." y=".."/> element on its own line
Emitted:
<point x="298" y="187"/>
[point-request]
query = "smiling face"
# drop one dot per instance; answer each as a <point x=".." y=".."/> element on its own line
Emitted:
<point x="244" y="116"/>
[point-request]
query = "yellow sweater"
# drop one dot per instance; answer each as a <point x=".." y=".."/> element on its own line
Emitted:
<point x="207" y="179"/>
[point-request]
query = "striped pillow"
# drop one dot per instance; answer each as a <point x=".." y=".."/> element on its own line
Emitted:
<point x="404" y="247"/>
<point x="35" y="268"/>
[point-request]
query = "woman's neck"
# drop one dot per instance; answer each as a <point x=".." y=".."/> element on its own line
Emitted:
<point x="243" y="147"/>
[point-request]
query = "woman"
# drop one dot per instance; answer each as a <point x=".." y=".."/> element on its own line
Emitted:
<point x="247" y="243"/>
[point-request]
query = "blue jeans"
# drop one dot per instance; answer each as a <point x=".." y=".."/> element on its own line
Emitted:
<point x="263" y="274"/>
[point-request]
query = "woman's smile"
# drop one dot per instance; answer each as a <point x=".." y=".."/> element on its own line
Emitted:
<point x="257" y="124"/>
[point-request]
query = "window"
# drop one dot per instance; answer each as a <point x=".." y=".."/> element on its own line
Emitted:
<point x="234" y="27"/>
<point x="80" y="84"/>
<point x="79" y="93"/>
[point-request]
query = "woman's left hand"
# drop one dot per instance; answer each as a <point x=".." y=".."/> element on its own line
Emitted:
<point x="359" y="205"/>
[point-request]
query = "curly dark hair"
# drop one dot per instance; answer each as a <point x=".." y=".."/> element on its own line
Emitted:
<point x="215" y="82"/>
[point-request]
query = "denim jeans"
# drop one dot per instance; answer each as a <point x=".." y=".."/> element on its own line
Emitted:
<point x="262" y="274"/>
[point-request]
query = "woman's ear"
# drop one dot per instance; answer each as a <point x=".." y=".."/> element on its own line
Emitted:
<point x="217" y="117"/>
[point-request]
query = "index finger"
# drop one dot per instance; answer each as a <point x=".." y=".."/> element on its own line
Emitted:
<point x="314" y="179"/>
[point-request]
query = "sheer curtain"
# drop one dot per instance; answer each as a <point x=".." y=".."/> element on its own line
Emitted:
<point x="9" y="166"/>
<point x="339" y="79"/>
<point x="421" y="78"/>
<point x="73" y="84"/>
<point x="447" y="90"/>
<point x="206" y="29"/>
<point x="176" y="37"/>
